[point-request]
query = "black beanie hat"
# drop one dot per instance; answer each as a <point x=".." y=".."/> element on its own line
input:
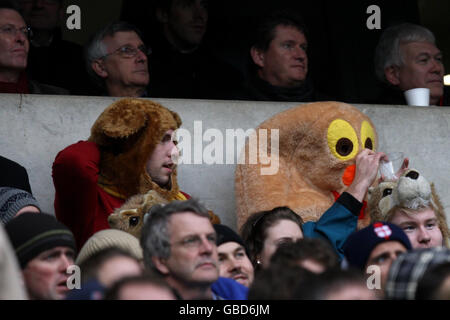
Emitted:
<point x="360" y="244"/>
<point x="33" y="233"/>
<point x="226" y="234"/>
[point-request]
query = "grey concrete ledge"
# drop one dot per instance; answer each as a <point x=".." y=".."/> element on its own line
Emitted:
<point x="33" y="129"/>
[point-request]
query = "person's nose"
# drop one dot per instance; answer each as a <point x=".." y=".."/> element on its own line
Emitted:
<point x="437" y="66"/>
<point x="206" y="247"/>
<point x="141" y="57"/>
<point x="300" y="54"/>
<point x="64" y="263"/>
<point x="20" y="37"/>
<point x="199" y="11"/>
<point x="423" y="236"/>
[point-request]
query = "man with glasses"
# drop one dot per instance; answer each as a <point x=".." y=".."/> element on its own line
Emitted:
<point x="117" y="61"/>
<point x="14" y="47"/>
<point x="179" y="242"/>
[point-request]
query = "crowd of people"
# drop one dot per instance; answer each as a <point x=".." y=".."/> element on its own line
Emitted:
<point x="183" y="251"/>
<point x="175" y="62"/>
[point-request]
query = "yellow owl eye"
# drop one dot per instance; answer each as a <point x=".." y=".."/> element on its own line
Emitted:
<point x="342" y="140"/>
<point x="367" y="136"/>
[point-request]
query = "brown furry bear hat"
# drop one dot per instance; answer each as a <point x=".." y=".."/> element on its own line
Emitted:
<point x="318" y="144"/>
<point x="127" y="132"/>
<point x="411" y="192"/>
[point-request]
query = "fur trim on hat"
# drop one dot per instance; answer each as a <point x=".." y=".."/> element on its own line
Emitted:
<point x="127" y="132"/>
<point x="412" y="192"/>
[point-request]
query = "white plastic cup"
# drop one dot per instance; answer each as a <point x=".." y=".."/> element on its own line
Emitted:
<point x="388" y="169"/>
<point x="418" y="97"/>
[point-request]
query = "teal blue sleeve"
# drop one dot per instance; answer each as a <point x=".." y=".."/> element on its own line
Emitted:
<point x="335" y="225"/>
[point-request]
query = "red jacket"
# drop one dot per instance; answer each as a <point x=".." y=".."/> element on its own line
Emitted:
<point x="80" y="203"/>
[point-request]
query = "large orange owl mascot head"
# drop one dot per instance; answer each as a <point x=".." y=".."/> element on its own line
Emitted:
<point x="312" y="161"/>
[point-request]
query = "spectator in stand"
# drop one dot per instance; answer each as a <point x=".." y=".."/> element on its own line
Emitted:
<point x="234" y="262"/>
<point x="14" y="48"/>
<point x="379" y="244"/>
<point x="129" y="152"/>
<point x="278" y="282"/>
<point x="312" y="254"/>
<point x="182" y="65"/>
<point x="279" y="67"/>
<point x="409" y="269"/>
<point x="13" y="175"/>
<point x="14" y="202"/>
<point x="335" y="284"/>
<point x="11" y="281"/>
<point x="45" y="249"/>
<point x="264" y="231"/>
<point x="117" y="61"/>
<point x="179" y="242"/>
<point x="146" y="287"/>
<point x="435" y="284"/>
<point x="406" y="57"/>
<point x="109" y="265"/>
<point x="49" y="53"/>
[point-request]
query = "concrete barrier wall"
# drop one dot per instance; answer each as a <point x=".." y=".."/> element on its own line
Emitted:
<point x="33" y="129"/>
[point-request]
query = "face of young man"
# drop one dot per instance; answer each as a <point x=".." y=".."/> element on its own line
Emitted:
<point x="285" y="62"/>
<point x="422" y="68"/>
<point x="14" y="46"/>
<point x="45" y="276"/>
<point x="43" y="14"/>
<point x="161" y="163"/>
<point x="234" y="263"/>
<point x="193" y="252"/>
<point x="186" y="22"/>
<point x="421" y="227"/>
<point x="383" y="255"/>
<point x="281" y="232"/>
<point x="123" y="72"/>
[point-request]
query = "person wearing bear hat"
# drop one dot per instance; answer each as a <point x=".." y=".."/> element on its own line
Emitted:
<point x="45" y="248"/>
<point x="378" y="244"/>
<point x="412" y="203"/>
<point x="234" y="262"/>
<point x="14" y="202"/>
<point x="130" y="151"/>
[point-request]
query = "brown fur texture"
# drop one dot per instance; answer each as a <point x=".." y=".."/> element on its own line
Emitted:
<point x="406" y="193"/>
<point x="127" y="133"/>
<point x="308" y="170"/>
<point x="130" y="216"/>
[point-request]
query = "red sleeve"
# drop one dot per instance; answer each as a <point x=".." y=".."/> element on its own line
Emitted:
<point x="75" y="176"/>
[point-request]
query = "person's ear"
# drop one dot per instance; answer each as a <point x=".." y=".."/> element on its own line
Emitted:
<point x="162" y="15"/>
<point x="160" y="264"/>
<point x="99" y="68"/>
<point x="392" y="74"/>
<point x="257" y="56"/>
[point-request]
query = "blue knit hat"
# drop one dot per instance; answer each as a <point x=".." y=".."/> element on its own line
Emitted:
<point x="12" y="201"/>
<point x="360" y="244"/>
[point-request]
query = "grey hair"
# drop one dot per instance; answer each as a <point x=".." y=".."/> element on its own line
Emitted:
<point x="387" y="52"/>
<point x="96" y="49"/>
<point x="155" y="238"/>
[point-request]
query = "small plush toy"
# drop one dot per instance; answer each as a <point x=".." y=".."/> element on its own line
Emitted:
<point x="130" y="217"/>
<point x="411" y="191"/>
<point x="314" y="157"/>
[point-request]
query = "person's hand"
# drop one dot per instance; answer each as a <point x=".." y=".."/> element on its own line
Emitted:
<point x="367" y="162"/>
